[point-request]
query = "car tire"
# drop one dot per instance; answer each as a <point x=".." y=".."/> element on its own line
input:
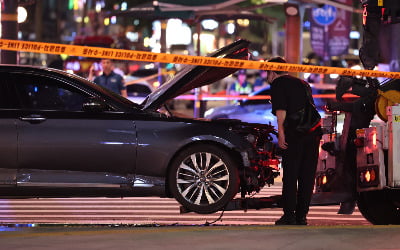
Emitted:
<point x="378" y="208"/>
<point x="204" y="178"/>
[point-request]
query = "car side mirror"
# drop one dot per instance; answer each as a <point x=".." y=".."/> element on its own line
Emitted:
<point x="94" y="105"/>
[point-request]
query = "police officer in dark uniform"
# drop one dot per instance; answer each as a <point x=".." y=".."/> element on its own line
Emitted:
<point x="300" y="151"/>
<point x="111" y="80"/>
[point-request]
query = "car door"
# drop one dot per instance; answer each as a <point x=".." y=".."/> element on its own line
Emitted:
<point x="8" y="136"/>
<point x="55" y="133"/>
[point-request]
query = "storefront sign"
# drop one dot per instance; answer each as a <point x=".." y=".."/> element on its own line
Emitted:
<point x="330" y="29"/>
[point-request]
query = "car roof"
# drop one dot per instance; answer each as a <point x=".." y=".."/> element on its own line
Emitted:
<point x="74" y="78"/>
<point x="38" y="69"/>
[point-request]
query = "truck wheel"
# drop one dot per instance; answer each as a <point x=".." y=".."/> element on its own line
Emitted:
<point x="378" y="208"/>
<point x="204" y="178"/>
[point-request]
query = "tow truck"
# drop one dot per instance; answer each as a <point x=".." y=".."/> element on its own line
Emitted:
<point x="362" y="163"/>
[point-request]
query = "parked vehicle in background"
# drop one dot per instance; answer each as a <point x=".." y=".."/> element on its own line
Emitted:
<point x="249" y="110"/>
<point x="260" y="110"/>
<point x="137" y="92"/>
<point x="140" y="83"/>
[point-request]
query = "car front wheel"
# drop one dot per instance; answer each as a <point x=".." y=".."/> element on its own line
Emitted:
<point x="204" y="178"/>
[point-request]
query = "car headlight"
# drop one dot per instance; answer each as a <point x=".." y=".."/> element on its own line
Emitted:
<point x="208" y="112"/>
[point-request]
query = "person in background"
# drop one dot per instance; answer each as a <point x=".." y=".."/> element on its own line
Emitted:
<point x="261" y="80"/>
<point x="314" y="78"/>
<point x="300" y="150"/>
<point x="111" y="80"/>
<point x="241" y="86"/>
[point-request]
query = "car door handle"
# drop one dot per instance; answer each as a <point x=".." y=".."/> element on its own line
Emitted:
<point x="33" y="118"/>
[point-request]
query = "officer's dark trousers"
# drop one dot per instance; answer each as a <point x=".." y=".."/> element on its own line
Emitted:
<point x="299" y="162"/>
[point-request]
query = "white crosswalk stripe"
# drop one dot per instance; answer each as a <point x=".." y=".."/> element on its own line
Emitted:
<point x="151" y="210"/>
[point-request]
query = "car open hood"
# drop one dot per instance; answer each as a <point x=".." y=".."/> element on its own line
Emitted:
<point x="193" y="76"/>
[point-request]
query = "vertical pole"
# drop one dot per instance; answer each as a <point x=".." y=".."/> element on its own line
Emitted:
<point x="327" y="56"/>
<point x="39" y="20"/>
<point x="197" y="94"/>
<point x="274" y="39"/>
<point x="9" y="24"/>
<point x="293" y="34"/>
<point x="163" y="42"/>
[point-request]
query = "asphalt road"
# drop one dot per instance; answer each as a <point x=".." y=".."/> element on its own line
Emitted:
<point x="211" y="237"/>
<point x="155" y="223"/>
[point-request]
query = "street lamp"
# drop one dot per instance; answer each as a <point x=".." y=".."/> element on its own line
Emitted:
<point x="291" y="10"/>
<point x="22" y="14"/>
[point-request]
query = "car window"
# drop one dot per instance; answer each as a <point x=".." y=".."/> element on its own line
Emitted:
<point x="42" y="93"/>
<point x="8" y="99"/>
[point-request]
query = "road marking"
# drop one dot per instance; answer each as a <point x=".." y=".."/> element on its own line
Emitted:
<point x="151" y="210"/>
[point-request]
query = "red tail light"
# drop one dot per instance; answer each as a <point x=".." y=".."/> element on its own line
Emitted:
<point x="273" y="163"/>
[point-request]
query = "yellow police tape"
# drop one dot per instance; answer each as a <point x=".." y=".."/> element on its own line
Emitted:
<point x="119" y="54"/>
<point x="217" y="97"/>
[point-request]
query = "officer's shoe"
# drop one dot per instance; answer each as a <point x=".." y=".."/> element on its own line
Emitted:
<point x="286" y="219"/>
<point x="347" y="207"/>
<point x="301" y="221"/>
